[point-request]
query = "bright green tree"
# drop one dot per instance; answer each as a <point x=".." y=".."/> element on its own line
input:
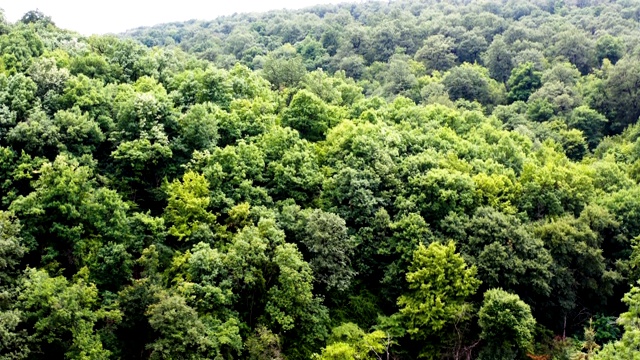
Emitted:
<point x="187" y="207"/>
<point x="440" y="284"/>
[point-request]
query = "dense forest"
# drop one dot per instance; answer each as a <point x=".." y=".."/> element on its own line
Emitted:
<point x="381" y="180"/>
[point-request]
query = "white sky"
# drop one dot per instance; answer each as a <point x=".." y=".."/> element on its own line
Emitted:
<point x="114" y="16"/>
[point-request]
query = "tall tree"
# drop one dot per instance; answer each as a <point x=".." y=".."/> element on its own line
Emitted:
<point x="507" y="326"/>
<point x="440" y="284"/>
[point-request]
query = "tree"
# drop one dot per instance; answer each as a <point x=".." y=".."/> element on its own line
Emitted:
<point x="64" y="316"/>
<point x="580" y="269"/>
<point x="138" y="167"/>
<point x="627" y="347"/>
<point x="187" y="207"/>
<point x="38" y="135"/>
<point x="79" y="134"/>
<point x="283" y="72"/>
<point x="290" y="184"/>
<point x="18" y="94"/>
<point x="325" y="240"/>
<point x="563" y="72"/>
<point x="523" y="81"/>
<point x="589" y="344"/>
<point x="264" y="345"/>
<point x="470" y="45"/>
<point x="36" y="16"/>
<point x="322" y="85"/>
<point x="399" y="79"/>
<point x="499" y="60"/>
<point x="590" y="122"/>
<point x="309" y="115"/>
<point x="201" y="86"/>
<point x="313" y="53"/>
<point x="19" y="48"/>
<point x="622" y="94"/>
<point x="14" y="340"/>
<point x="49" y="78"/>
<point x="561" y="97"/>
<point x="296" y="174"/>
<point x="472" y="82"/>
<point x="609" y="47"/>
<point x="438" y="192"/>
<point x="576" y="47"/>
<point x="437" y="53"/>
<point x="507" y="325"/>
<point x="348" y="341"/>
<point x="505" y="252"/>
<point x="198" y="130"/>
<point x="11" y="250"/>
<point x="439" y="283"/>
<point x="353" y="66"/>
<point x="68" y="217"/>
<point x="182" y="333"/>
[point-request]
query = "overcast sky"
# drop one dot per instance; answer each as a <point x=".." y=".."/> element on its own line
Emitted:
<point x="105" y="16"/>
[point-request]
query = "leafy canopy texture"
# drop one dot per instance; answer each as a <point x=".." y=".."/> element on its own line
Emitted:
<point x="372" y="180"/>
<point x="507" y="325"/>
<point x="629" y="346"/>
<point x="440" y="283"/>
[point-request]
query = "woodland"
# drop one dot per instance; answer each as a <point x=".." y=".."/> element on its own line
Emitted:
<point x="408" y="179"/>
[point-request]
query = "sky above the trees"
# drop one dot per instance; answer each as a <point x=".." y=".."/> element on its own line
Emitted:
<point x="113" y="16"/>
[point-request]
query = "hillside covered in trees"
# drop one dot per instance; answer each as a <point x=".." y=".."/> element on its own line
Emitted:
<point x="381" y="180"/>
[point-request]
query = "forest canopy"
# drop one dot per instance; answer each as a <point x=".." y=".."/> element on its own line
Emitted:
<point x="378" y="180"/>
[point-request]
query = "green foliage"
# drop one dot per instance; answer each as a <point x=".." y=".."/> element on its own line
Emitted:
<point x="348" y="341"/>
<point x="472" y="82"/>
<point x="237" y="188"/>
<point x="621" y="94"/>
<point x="264" y="345"/>
<point x="523" y="81"/>
<point x="64" y="316"/>
<point x="14" y="342"/>
<point x="201" y="86"/>
<point x="309" y="115"/>
<point x="283" y="71"/>
<point x="330" y="248"/>
<point x="605" y="329"/>
<point x="506" y="253"/>
<point x="183" y="334"/>
<point x="13" y="339"/>
<point x="580" y="269"/>
<point x="68" y="217"/>
<point x="499" y="59"/>
<point x="627" y="347"/>
<point x="589" y="345"/>
<point x="436" y="53"/>
<point x="11" y="249"/>
<point x="187" y="207"/>
<point x="507" y="325"/>
<point x="590" y="122"/>
<point x="439" y="283"/>
<point x="609" y="47"/>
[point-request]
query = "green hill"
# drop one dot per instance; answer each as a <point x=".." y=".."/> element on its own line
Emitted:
<point x="378" y="180"/>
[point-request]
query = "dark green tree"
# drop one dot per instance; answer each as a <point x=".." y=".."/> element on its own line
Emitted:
<point x="507" y="325"/>
<point x="523" y="81"/>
